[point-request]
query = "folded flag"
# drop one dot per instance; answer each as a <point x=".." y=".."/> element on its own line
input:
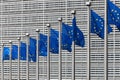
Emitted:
<point x="43" y="45"/>
<point x="74" y="33"/>
<point x="32" y="49"/>
<point x="65" y="43"/>
<point x="97" y="25"/>
<point x="6" y="53"/>
<point x="14" y="52"/>
<point x="78" y="36"/>
<point x="23" y="51"/>
<point x="113" y="14"/>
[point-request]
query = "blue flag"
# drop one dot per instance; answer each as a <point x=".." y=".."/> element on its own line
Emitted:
<point x="74" y="33"/>
<point x="14" y="52"/>
<point x="6" y="53"/>
<point x="43" y="45"/>
<point x="97" y="25"/>
<point x="32" y="49"/>
<point x="78" y="36"/>
<point x="54" y="48"/>
<point x="66" y="44"/>
<point x="113" y="14"/>
<point x="42" y="49"/>
<point x="68" y="30"/>
<point x="23" y="51"/>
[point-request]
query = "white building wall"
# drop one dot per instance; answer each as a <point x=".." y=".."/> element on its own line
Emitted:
<point x="20" y="16"/>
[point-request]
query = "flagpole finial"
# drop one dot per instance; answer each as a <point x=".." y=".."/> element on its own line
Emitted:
<point x="18" y="38"/>
<point x="60" y="19"/>
<point x="10" y="41"/>
<point x="2" y="44"/>
<point x="48" y="25"/>
<point x="37" y="30"/>
<point x="88" y="3"/>
<point x="27" y="34"/>
<point x="73" y="12"/>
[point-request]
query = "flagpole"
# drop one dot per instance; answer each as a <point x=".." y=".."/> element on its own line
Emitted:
<point x="60" y="54"/>
<point x="88" y="39"/>
<point x="73" y="12"/>
<point x="37" y="54"/>
<point x="2" y="61"/>
<point x="10" y="58"/>
<point x="18" y="57"/>
<point x="27" y="55"/>
<point x="105" y="44"/>
<point x="48" y="53"/>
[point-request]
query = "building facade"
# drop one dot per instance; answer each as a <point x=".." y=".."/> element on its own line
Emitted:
<point x="20" y="16"/>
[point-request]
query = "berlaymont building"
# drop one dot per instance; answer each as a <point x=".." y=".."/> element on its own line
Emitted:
<point x="18" y="17"/>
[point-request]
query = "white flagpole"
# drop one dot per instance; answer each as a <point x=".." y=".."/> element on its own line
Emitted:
<point x="37" y="54"/>
<point x="48" y="53"/>
<point x="60" y="54"/>
<point x="88" y="39"/>
<point x="18" y="57"/>
<point x="105" y="44"/>
<point x="73" y="12"/>
<point x="2" y="61"/>
<point x="10" y="58"/>
<point x="27" y="55"/>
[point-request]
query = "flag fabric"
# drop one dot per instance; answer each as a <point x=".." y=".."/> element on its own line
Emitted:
<point x="42" y="48"/>
<point x="14" y="52"/>
<point x="43" y="45"/>
<point x="54" y="46"/>
<point x="23" y="51"/>
<point x="65" y="40"/>
<point x="74" y="33"/>
<point x="113" y="14"/>
<point x="6" y="53"/>
<point x="78" y="36"/>
<point x="32" y="49"/>
<point x="97" y="25"/>
<point x="68" y="30"/>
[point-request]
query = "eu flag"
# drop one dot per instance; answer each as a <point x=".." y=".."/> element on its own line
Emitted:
<point x="68" y="31"/>
<point x="14" y="52"/>
<point x="54" y="48"/>
<point x="23" y="51"/>
<point x="113" y="14"/>
<point x="32" y="49"/>
<point x="78" y="36"/>
<point x="43" y="45"/>
<point x="66" y="44"/>
<point x="74" y="33"/>
<point x="97" y="25"/>
<point x="6" y="53"/>
<point x="42" y="49"/>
